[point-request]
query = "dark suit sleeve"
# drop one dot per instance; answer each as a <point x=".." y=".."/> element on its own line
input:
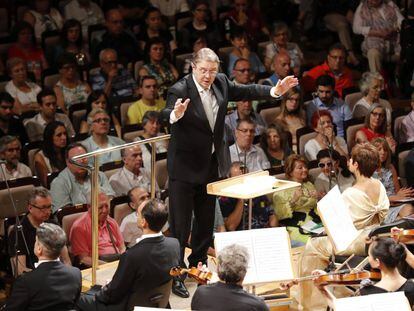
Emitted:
<point x="237" y="92"/>
<point x="121" y="283"/>
<point x="19" y="298"/>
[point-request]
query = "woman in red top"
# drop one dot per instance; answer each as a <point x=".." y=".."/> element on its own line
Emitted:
<point x="375" y="126"/>
<point x="26" y="49"/>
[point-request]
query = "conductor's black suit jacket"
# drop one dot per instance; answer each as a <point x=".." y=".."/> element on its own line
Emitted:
<point x="190" y="147"/>
<point x="51" y="286"/>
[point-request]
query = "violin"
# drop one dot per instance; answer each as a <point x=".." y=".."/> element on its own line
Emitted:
<point x="404" y="236"/>
<point x="202" y="277"/>
<point x="352" y="278"/>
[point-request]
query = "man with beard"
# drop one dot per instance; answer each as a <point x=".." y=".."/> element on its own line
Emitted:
<point x="10" y="124"/>
<point x="10" y="148"/>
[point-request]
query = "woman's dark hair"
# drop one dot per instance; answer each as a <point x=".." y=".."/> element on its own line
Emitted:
<point x="93" y="97"/>
<point x="284" y="144"/>
<point x="388" y="251"/>
<point x="150" y="43"/>
<point x="66" y="59"/>
<point x="70" y="23"/>
<point x="324" y="153"/>
<point x="197" y="3"/>
<point x="150" y="10"/>
<point x="19" y="27"/>
<point x="48" y="147"/>
<point x="238" y="32"/>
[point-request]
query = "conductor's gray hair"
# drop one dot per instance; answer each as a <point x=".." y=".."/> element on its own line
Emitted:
<point x="52" y="237"/>
<point x="102" y="53"/>
<point x="367" y="79"/>
<point x="205" y="54"/>
<point x="232" y="263"/>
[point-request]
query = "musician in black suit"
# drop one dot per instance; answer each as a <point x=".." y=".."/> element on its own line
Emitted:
<point x="51" y="285"/>
<point x="228" y="293"/>
<point x="142" y="267"/>
<point x="198" y="153"/>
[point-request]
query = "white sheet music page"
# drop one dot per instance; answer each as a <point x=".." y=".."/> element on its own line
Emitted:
<point x="337" y="220"/>
<point x="269" y="251"/>
<point x="375" y="302"/>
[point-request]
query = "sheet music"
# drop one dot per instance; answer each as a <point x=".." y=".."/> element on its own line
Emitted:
<point x="375" y="302"/>
<point x="269" y="251"/>
<point x="337" y="220"/>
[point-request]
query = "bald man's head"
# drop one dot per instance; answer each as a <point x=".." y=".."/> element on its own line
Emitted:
<point x="281" y="64"/>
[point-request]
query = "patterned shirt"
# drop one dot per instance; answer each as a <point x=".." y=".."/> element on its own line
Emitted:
<point x="123" y="84"/>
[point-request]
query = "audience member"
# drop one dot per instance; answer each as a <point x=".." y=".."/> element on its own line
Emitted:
<point x="158" y="66"/>
<point x="99" y="100"/>
<point x="279" y="43"/>
<point x="151" y="125"/>
<point x="379" y="22"/>
<point x="36" y="125"/>
<point x="197" y="44"/>
<point x="39" y="210"/>
<point x="138" y="272"/>
<point x="110" y="241"/>
<point x="375" y="126"/>
<point x="368" y="205"/>
<point x="371" y="85"/>
<point x="281" y="68"/>
<point x="407" y="125"/>
<point x="26" y="49"/>
<point x="333" y="172"/>
<point x="154" y="28"/>
<point x="295" y="207"/>
<point x="322" y="123"/>
<point x="12" y="168"/>
<point x="129" y="229"/>
<point x="73" y="186"/>
<point x="244" y="110"/>
<point x="51" y="285"/>
<point x="292" y="116"/>
<point x="243" y="150"/>
<point x="236" y="213"/>
<point x="200" y="26"/>
<point x="9" y="123"/>
<point x="334" y="66"/>
<point x="70" y="89"/>
<point x="88" y="13"/>
<point x="118" y="39"/>
<point x="20" y="88"/>
<point x="275" y="145"/>
<point x="244" y="15"/>
<point x="150" y="100"/>
<point x="326" y="99"/>
<point x="43" y="17"/>
<point x="114" y="81"/>
<point x="232" y="265"/>
<point x="241" y="49"/>
<point x="170" y="8"/>
<point x="387" y="174"/>
<point x="71" y="41"/>
<point x="51" y="157"/>
<point x="132" y="174"/>
<point x="98" y="120"/>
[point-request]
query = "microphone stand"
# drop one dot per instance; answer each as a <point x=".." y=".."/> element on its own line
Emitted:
<point x="18" y="228"/>
<point x="330" y="149"/>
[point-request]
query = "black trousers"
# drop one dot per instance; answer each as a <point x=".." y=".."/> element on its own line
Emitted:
<point x="186" y="198"/>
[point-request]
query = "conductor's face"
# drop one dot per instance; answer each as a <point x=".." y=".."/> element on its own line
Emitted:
<point x="205" y="72"/>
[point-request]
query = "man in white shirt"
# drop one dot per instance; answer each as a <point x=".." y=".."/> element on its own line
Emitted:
<point x="86" y="12"/>
<point x="130" y="230"/>
<point x="244" y="150"/>
<point x="47" y="103"/>
<point x="132" y="174"/>
<point x="12" y="168"/>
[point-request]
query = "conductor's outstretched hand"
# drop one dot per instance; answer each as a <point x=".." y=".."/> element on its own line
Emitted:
<point x="180" y="107"/>
<point x="284" y="85"/>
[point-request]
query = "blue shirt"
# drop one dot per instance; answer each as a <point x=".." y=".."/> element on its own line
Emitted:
<point x="122" y="85"/>
<point x="339" y="110"/>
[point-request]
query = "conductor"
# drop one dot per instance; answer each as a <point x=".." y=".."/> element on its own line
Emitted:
<point x="198" y="153"/>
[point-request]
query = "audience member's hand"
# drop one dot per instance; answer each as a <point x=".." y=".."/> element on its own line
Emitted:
<point x="112" y="73"/>
<point x="296" y="195"/>
<point x="180" y="107"/>
<point x="285" y="85"/>
<point x="406" y="192"/>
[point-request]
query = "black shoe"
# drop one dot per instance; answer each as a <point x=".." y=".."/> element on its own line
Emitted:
<point x="179" y="288"/>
